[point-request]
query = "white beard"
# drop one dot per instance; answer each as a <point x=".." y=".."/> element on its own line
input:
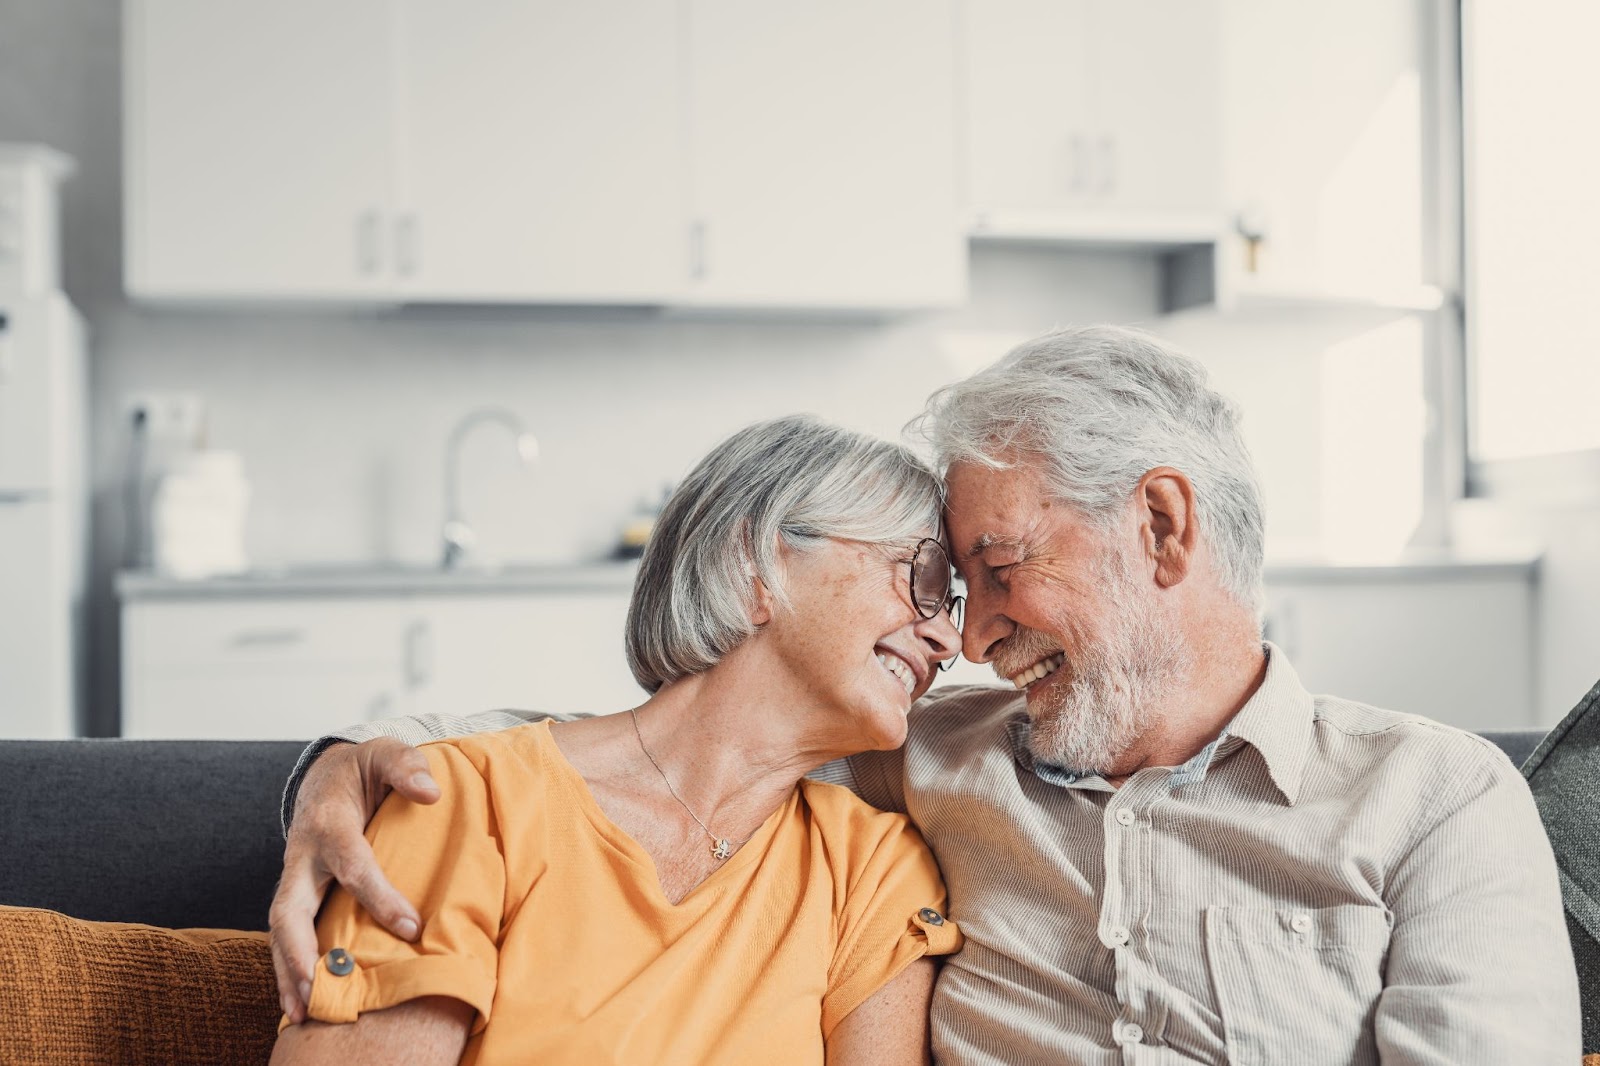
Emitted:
<point x="1119" y="680"/>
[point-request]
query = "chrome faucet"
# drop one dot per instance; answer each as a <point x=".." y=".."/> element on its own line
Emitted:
<point x="459" y="539"/>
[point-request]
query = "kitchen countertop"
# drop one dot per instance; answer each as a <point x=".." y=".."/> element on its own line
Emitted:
<point x="381" y="579"/>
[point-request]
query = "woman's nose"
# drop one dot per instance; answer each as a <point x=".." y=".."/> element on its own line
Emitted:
<point x="941" y="635"/>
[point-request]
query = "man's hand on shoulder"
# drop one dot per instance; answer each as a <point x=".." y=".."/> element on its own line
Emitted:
<point x="340" y="793"/>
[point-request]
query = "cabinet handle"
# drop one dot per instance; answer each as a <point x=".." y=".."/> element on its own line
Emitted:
<point x="697" y="250"/>
<point x="405" y="245"/>
<point x="419" y="654"/>
<point x="1108" y="163"/>
<point x="1078" y="176"/>
<point x="257" y="638"/>
<point x="367" y="250"/>
<point x="379" y="707"/>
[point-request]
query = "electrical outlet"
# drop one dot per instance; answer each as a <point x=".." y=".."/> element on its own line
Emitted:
<point x="169" y="417"/>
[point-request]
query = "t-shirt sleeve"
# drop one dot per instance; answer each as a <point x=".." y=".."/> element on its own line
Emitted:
<point x="445" y="857"/>
<point x="892" y="914"/>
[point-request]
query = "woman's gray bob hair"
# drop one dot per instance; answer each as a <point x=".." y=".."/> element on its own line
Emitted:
<point x="1097" y="407"/>
<point x="794" y="481"/>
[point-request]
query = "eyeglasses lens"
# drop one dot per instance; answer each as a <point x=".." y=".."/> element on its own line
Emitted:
<point x="930" y="578"/>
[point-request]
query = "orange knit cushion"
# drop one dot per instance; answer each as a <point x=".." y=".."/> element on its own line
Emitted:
<point x="105" y="992"/>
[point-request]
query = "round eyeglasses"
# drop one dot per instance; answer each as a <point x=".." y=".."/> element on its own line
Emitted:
<point x="932" y="582"/>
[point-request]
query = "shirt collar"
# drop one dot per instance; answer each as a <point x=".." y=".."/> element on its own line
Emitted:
<point x="1276" y="721"/>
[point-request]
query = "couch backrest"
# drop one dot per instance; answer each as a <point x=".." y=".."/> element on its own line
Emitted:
<point x="180" y="833"/>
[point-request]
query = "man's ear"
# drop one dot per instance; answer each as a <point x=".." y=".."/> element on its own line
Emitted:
<point x="1168" y="526"/>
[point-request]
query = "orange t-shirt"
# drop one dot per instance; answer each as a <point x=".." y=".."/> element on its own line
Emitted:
<point x="549" y="920"/>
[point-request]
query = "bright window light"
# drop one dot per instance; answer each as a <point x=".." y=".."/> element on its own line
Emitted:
<point x="1531" y="90"/>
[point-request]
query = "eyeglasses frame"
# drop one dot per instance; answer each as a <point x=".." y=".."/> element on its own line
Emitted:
<point x="954" y="604"/>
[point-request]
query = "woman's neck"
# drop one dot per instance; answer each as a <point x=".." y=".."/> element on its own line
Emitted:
<point x="732" y="745"/>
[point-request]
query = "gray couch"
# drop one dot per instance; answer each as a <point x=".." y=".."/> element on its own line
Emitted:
<point x="186" y="833"/>
<point x="179" y="833"/>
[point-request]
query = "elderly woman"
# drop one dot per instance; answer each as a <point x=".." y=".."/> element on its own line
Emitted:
<point x="664" y="885"/>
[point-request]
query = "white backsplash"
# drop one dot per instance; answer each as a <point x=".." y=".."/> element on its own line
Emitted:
<point x="342" y="416"/>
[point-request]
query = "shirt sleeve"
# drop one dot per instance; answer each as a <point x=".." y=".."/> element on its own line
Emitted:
<point x="893" y="913"/>
<point x="415" y="731"/>
<point x="1480" y="967"/>
<point x="446" y="858"/>
<point x="879" y="778"/>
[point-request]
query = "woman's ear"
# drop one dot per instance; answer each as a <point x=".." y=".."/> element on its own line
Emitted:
<point x="761" y="602"/>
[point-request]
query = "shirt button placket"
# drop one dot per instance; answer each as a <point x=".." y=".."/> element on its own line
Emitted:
<point x="1127" y="862"/>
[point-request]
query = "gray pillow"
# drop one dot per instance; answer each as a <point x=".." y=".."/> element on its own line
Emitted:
<point x="1564" y="774"/>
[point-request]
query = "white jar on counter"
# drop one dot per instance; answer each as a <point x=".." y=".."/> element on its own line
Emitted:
<point x="197" y="516"/>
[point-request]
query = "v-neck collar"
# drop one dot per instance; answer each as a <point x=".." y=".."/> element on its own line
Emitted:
<point x="634" y="852"/>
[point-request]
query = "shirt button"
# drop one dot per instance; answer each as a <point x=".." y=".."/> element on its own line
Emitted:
<point x="339" y="962"/>
<point x="1124" y="817"/>
<point x="931" y="916"/>
<point x="1132" y="1033"/>
<point x="1300" y="923"/>
<point x="1120" y="935"/>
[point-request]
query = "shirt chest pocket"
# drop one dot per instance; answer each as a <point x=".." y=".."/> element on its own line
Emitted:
<point x="1297" y="984"/>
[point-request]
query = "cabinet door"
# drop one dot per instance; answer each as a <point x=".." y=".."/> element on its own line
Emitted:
<point x="1030" y="127"/>
<point x="261" y="669"/>
<point x="1158" y="91"/>
<point x="823" y="151"/>
<point x="552" y="652"/>
<point x="1078" y="106"/>
<point x="541" y="151"/>
<point x="259" y="705"/>
<point x="257" y="148"/>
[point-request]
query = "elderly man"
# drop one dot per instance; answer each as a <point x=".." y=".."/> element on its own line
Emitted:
<point x="1160" y="847"/>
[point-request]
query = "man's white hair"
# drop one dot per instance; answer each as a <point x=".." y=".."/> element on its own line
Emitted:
<point x="1097" y="408"/>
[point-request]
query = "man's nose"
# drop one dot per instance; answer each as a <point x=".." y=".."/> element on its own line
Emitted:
<point x="985" y="626"/>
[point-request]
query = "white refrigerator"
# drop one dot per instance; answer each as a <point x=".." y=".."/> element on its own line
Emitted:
<point x="43" y="489"/>
<point x="43" y="542"/>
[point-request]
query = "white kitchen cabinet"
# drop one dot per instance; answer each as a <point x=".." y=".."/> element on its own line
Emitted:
<point x="1458" y="649"/>
<point x="540" y="151"/>
<point x="823" y="147"/>
<point x="262" y="669"/>
<point x="676" y="152"/>
<point x="298" y="666"/>
<point x="559" y="651"/>
<point x="1080" y="111"/>
<point x="257" y="148"/>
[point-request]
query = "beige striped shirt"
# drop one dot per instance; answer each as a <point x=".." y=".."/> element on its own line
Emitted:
<point x="1325" y="883"/>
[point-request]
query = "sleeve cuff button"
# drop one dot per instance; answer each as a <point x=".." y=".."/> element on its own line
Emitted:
<point x="339" y="962"/>
<point x="931" y="916"/>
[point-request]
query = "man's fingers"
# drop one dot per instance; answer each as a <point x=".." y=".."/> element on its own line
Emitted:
<point x="292" y="918"/>
<point x="404" y="769"/>
<point x="356" y="869"/>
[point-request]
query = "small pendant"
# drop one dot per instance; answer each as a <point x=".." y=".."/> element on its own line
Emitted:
<point x="722" y="850"/>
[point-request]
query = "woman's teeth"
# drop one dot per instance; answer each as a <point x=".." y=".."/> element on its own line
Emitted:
<point x="1042" y="668"/>
<point x="900" y="670"/>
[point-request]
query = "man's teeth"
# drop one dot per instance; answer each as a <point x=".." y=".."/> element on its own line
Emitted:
<point x="902" y="672"/>
<point x="1042" y="668"/>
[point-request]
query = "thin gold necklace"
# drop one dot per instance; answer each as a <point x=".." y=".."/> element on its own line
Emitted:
<point x="721" y="847"/>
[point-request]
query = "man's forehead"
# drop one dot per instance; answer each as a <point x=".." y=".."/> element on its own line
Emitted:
<point x="982" y="500"/>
